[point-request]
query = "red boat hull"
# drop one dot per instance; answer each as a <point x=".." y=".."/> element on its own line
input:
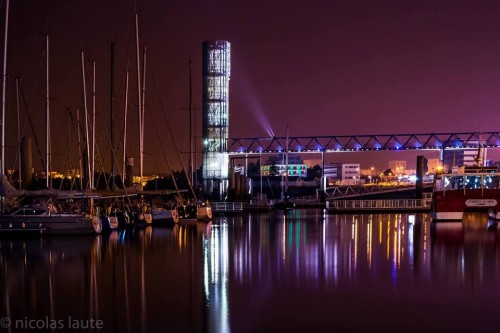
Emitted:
<point x="450" y="205"/>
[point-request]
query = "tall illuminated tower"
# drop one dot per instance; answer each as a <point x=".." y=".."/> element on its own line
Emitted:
<point x="216" y="74"/>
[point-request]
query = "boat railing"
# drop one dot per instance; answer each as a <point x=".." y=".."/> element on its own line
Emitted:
<point x="227" y="206"/>
<point x="378" y="204"/>
<point x="261" y="202"/>
<point x="310" y="199"/>
<point x="26" y="211"/>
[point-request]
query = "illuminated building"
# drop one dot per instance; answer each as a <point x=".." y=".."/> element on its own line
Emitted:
<point x="433" y="164"/>
<point x="397" y="165"/>
<point x="216" y="75"/>
<point x="276" y="167"/>
<point x="343" y="173"/>
<point x="350" y="173"/>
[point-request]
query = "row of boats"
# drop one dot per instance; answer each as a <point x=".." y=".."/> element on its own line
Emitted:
<point x="79" y="212"/>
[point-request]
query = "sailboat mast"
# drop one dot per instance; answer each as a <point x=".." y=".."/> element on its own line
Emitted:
<point x="139" y="91"/>
<point x="79" y="135"/>
<point x="92" y="171"/>
<point x="286" y="163"/>
<point x="111" y="123"/>
<point x="4" y="86"/>
<point x="19" y="133"/>
<point x="143" y="108"/>
<point x="85" y="118"/>
<point x="70" y="157"/>
<point x="125" y="128"/>
<point x="195" y="153"/>
<point x="480" y="151"/>
<point x="190" y="124"/>
<point x="47" y="106"/>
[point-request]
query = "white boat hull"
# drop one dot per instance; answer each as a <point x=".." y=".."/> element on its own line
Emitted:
<point x="160" y="215"/>
<point x="50" y="224"/>
<point x="204" y="213"/>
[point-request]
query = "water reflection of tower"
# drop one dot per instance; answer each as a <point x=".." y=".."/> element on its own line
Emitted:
<point x="216" y="276"/>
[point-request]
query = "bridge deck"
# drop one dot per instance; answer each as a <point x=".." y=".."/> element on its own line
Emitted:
<point x="335" y="143"/>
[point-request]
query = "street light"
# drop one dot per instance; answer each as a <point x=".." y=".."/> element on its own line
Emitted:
<point x="439" y="169"/>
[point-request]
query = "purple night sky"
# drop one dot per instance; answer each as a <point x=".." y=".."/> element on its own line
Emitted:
<point x="323" y="67"/>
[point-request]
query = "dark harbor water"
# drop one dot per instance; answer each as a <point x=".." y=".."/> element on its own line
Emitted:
<point x="302" y="272"/>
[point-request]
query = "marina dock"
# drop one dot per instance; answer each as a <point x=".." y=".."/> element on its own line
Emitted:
<point x="384" y="205"/>
<point x="338" y="206"/>
<point x="227" y="207"/>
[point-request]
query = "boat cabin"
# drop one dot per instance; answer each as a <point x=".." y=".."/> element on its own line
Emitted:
<point x="447" y="182"/>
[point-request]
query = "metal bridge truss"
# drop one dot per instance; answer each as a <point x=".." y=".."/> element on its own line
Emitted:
<point x="435" y="141"/>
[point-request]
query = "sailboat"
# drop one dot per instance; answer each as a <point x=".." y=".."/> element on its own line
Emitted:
<point x="187" y="209"/>
<point x="152" y="211"/>
<point x="46" y="211"/>
<point x="193" y="210"/>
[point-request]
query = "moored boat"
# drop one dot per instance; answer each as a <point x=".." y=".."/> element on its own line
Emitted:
<point x="473" y="190"/>
<point x="142" y="219"/>
<point x="46" y="212"/>
<point x="42" y="220"/>
<point x="109" y="223"/>
<point x="162" y="215"/>
<point x="195" y="212"/>
<point x="204" y="212"/>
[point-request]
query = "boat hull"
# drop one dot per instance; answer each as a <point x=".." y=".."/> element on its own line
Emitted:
<point x="142" y="219"/>
<point x="49" y="224"/>
<point x="204" y="213"/>
<point x="195" y="213"/>
<point x="109" y="223"/>
<point x="161" y="216"/>
<point x="451" y="205"/>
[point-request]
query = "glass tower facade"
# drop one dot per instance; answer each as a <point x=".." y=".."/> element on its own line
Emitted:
<point x="216" y="75"/>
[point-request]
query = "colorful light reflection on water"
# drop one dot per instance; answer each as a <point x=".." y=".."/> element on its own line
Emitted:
<point x="300" y="271"/>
